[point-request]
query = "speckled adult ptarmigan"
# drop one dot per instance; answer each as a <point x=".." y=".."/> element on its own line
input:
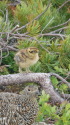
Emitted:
<point x="18" y="109"/>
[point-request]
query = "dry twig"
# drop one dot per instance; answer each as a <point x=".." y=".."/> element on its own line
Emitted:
<point x="63" y="4"/>
<point x="62" y="79"/>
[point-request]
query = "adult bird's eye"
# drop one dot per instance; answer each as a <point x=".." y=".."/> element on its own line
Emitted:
<point x="28" y="89"/>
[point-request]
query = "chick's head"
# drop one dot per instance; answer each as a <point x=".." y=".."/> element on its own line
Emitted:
<point x="32" y="51"/>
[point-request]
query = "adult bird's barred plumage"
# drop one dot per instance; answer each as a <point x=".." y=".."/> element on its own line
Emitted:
<point x="18" y="109"/>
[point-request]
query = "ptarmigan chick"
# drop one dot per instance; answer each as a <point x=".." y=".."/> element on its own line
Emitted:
<point x="18" y="109"/>
<point x="26" y="57"/>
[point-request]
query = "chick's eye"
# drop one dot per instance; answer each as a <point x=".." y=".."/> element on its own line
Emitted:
<point x="31" y="51"/>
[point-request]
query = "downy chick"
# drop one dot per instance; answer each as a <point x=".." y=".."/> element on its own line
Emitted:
<point x="26" y="57"/>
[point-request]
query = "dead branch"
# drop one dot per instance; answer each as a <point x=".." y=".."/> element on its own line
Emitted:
<point x="0" y="56"/>
<point x="6" y="47"/>
<point x="10" y="48"/>
<point x="13" y="30"/>
<point x="65" y="96"/>
<point x="29" y="38"/>
<point x="62" y="79"/>
<point x="14" y="3"/>
<point x="42" y="123"/>
<point x="43" y="79"/>
<point x="65" y="23"/>
<point x="63" y="4"/>
<point x="36" y="18"/>
<point x="60" y="29"/>
<point x="52" y="34"/>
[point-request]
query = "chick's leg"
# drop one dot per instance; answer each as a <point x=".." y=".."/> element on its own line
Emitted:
<point x="20" y="70"/>
<point x="27" y="70"/>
